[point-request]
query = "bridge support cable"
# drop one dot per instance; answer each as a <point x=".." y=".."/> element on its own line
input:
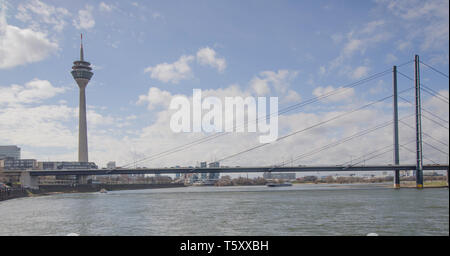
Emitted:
<point x="341" y="141"/>
<point x="437" y="71"/>
<point x="428" y="90"/>
<point x="412" y="151"/>
<point x="426" y="134"/>
<point x="437" y="95"/>
<point x="377" y="155"/>
<point x="367" y="156"/>
<point x="334" y="144"/>
<point x="437" y="149"/>
<point x="387" y="151"/>
<point x="430" y="113"/>
<point x="282" y="111"/>
<point x="313" y="126"/>
<point x="441" y="125"/>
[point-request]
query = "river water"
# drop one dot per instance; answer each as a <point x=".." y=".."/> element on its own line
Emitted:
<point x="248" y="210"/>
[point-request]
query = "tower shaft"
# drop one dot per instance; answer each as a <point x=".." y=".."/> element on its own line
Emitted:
<point x="82" y="128"/>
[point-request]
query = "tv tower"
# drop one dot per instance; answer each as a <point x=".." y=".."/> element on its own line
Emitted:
<point x="81" y="72"/>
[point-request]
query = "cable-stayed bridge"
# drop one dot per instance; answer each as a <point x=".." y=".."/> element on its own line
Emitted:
<point x="357" y="165"/>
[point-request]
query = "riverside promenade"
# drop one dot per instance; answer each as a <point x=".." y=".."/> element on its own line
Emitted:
<point x="10" y="193"/>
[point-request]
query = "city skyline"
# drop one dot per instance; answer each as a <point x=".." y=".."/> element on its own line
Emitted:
<point x="138" y="70"/>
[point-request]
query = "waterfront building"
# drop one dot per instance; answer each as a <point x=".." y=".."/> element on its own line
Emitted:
<point x="9" y="151"/>
<point x="10" y="163"/>
<point x="214" y="165"/>
<point x="284" y="176"/>
<point x="111" y="165"/>
<point x="66" y="165"/>
<point x="216" y="175"/>
<point x="203" y="165"/>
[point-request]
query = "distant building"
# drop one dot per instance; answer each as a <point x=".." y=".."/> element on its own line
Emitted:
<point x="214" y="175"/>
<point x="9" y="151"/>
<point x="284" y="176"/>
<point x="214" y="165"/>
<point x="10" y="163"/>
<point x="66" y="165"/>
<point x="52" y="165"/>
<point x="203" y="165"/>
<point x="111" y="165"/>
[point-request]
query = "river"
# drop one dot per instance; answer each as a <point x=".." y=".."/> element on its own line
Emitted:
<point x="245" y="210"/>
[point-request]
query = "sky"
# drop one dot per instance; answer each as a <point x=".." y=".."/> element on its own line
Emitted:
<point x="146" y="52"/>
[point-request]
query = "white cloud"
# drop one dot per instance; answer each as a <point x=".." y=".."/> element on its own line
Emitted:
<point x="352" y="46"/>
<point x="416" y="9"/>
<point x="181" y="69"/>
<point x="38" y="14"/>
<point x="391" y="58"/>
<point x="344" y="94"/>
<point x="85" y="18"/>
<point x="155" y="97"/>
<point x="22" y="46"/>
<point x="280" y="80"/>
<point x="41" y="126"/>
<point x="275" y="84"/>
<point x="337" y="38"/>
<point x="371" y="26"/>
<point x="292" y="96"/>
<point x="360" y="72"/>
<point x="104" y="7"/>
<point x="34" y="91"/>
<point x="369" y="35"/>
<point x="322" y="70"/>
<point x="174" y="72"/>
<point x="260" y="86"/>
<point x="97" y="119"/>
<point x="207" y="56"/>
<point x="402" y="45"/>
<point x="426" y="21"/>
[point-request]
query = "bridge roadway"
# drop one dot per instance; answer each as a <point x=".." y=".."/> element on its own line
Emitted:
<point x="184" y="170"/>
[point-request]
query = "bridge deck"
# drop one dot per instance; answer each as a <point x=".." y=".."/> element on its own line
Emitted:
<point x="234" y="170"/>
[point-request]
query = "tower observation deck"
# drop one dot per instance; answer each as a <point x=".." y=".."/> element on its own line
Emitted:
<point x="81" y="72"/>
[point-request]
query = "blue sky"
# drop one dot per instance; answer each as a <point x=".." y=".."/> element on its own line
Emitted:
<point x="146" y="52"/>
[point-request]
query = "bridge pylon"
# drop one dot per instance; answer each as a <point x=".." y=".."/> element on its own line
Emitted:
<point x="419" y="158"/>
<point x="396" y="147"/>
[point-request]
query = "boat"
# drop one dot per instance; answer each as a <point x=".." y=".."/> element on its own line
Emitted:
<point x="285" y="184"/>
<point x="103" y="190"/>
<point x="204" y="183"/>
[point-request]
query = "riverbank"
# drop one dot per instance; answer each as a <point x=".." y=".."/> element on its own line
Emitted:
<point x="86" y="188"/>
<point x="426" y="184"/>
<point x="404" y="184"/>
<point x="11" y="193"/>
<point x="43" y="190"/>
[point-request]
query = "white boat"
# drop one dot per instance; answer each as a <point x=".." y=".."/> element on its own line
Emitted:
<point x="103" y="190"/>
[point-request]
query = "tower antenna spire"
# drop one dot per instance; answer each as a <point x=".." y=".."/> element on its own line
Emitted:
<point x="81" y="48"/>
